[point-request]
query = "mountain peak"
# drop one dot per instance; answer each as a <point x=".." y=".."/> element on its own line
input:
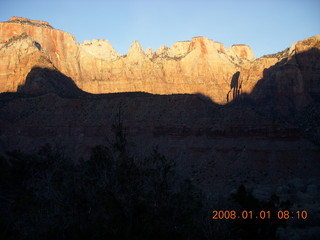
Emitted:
<point x="201" y="65"/>
<point x="100" y="48"/>
<point x="135" y="52"/>
<point x="29" y="21"/>
<point x="241" y="51"/>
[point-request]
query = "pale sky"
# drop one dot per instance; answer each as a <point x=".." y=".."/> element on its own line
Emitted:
<point x="267" y="26"/>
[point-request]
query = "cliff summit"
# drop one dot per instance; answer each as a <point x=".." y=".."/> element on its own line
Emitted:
<point x="29" y="21"/>
<point x="200" y="65"/>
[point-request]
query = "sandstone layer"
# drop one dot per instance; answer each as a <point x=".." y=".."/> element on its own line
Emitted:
<point x="197" y="66"/>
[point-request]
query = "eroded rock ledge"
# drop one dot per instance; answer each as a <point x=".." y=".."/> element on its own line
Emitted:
<point x="29" y="21"/>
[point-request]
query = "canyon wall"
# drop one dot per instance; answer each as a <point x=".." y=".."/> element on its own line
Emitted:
<point x="197" y="66"/>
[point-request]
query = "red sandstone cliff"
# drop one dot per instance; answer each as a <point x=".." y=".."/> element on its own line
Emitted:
<point x="197" y="66"/>
<point x="200" y="65"/>
<point x="59" y="47"/>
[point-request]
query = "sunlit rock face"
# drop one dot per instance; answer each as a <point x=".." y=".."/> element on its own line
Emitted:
<point x="29" y="21"/>
<point x="100" y="49"/>
<point x="197" y="66"/>
<point x="241" y="51"/>
<point x="18" y="56"/>
<point x="200" y="65"/>
<point x="59" y="47"/>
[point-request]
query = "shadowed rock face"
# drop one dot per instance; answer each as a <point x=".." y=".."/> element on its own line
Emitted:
<point x="300" y="63"/>
<point x="293" y="81"/>
<point x="37" y="59"/>
<point x="43" y="80"/>
<point x="254" y="135"/>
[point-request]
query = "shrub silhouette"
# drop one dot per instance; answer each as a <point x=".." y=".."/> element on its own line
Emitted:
<point x="111" y="195"/>
<point x="258" y="228"/>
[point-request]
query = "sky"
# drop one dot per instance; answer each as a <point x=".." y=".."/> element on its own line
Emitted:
<point x="267" y="26"/>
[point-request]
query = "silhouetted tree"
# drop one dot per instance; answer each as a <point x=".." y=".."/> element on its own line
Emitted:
<point x="257" y="228"/>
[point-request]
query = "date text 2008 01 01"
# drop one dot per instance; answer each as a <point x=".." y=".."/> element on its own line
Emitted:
<point x="281" y="214"/>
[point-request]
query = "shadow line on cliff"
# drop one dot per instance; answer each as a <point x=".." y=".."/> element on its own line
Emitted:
<point x="288" y="93"/>
<point x="285" y="87"/>
<point x="290" y="84"/>
<point x="235" y="89"/>
<point x="44" y="80"/>
<point x="41" y="81"/>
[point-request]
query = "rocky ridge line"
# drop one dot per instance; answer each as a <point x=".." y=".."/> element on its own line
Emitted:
<point x="197" y="66"/>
